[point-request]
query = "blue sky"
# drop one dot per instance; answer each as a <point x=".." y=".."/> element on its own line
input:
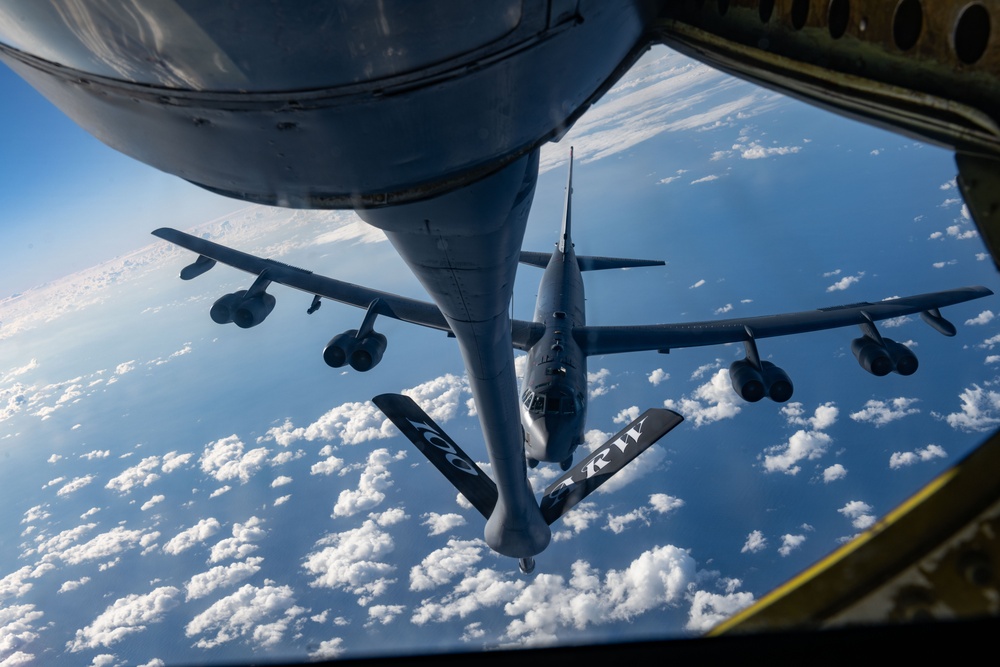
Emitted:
<point x="165" y="466"/>
<point x="69" y="201"/>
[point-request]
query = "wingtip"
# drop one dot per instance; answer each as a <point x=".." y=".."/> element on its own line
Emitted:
<point x="166" y="233"/>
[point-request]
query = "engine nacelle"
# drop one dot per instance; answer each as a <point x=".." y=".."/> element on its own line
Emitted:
<point x="753" y="385"/>
<point x="224" y="308"/>
<point x="747" y="382"/>
<point x="779" y="385"/>
<point x="881" y="360"/>
<point x="339" y="349"/>
<point x="368" y="352"/>
<point x="873" y="357"/>
<point x="903" y="359"/>
<point x="254" y="310"/>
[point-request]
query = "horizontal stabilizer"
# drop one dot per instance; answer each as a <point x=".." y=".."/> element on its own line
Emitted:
<point x="606" y="460"/>
<point x="600" y="263"/>
<point x="588" y="263"/>
<point x="539" y="259"/>
<point x="440" y="450"/>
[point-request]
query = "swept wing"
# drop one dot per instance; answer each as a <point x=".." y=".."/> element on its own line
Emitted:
<point x="595" y="340"/>
<point x="391" y="305"/>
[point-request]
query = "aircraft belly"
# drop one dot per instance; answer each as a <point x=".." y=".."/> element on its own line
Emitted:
<point x="357" y="136"/>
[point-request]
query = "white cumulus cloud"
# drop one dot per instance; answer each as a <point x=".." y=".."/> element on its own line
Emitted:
<point x="597" y="383"/>
<point x="141" y="474"/>
<point x="75" y="485"/>
<point x="709" y="609"/>
<point x="352" y="561"/>
<point x="845" y="282"/>
<point x="823" y="417"/>
<point x="241" y="544"/>
<point x="657" y="578"/>
<point x="834" y="472"/>
<point x="374" y="481"/>
<point x="803" y="445"/>
<point x="881" y="413"/>
<point x="984" y="317"/>
<point x="355" y="423"/>
<point x="152" y="501"/>
<point x="754" y="151"/>
<point x="860" y="514"/>
<point x="658" y="376"/>
<point x="790" y="543"/>
<point x="328" y="649"/>
<point x="189" y="537"/>
<point x="126" y="616"/>
<point x="659" y="503"/>
<point x="442" y="523"/>
<point x="928" y="453"/>
<point x="221" y="576"/>
<point x="226" y="460"/>
<point x="627" y="415"/>
<point x="442" y="565"/>
<point x="260" y="615"/>
<point x="755" y="542"/>
<point x="711" y="402"/>
<point x="980" y="410"/>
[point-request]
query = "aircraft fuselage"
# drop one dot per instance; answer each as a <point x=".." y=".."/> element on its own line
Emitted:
<point x="554" y="390"/>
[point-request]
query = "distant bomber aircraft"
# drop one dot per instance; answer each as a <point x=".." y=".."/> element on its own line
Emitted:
<point x="554" y="389"/>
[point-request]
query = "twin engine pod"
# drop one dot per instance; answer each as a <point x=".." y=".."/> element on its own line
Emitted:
<point x="752" y="384"/>
<point x="885" y="357"/>
<point x="362" y="354"/>
<point x="244" y="311"/>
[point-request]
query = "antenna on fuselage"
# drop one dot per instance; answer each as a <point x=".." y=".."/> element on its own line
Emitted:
<point x="564" y="240"/>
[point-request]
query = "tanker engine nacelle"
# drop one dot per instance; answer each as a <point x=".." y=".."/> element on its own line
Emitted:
<point x="752" y="384"/>
<point x="880" y="359"/>
<point x="245" y="311"/>
<point x="362" y="354"/>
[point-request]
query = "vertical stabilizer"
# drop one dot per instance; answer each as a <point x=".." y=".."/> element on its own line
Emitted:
<point x="564" y="240"/>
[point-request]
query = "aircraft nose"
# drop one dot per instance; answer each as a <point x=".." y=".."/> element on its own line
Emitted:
<point x="552" y="437"/>
<point x="561" y="438"/>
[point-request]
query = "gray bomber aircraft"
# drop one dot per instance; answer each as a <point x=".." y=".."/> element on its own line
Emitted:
<point x="553" y="395"/>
